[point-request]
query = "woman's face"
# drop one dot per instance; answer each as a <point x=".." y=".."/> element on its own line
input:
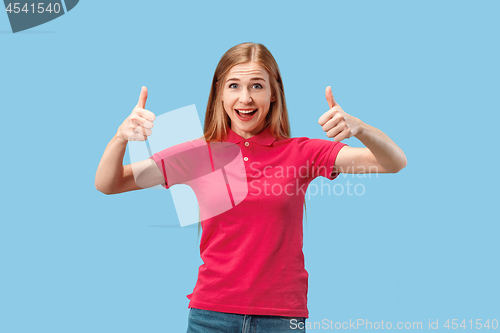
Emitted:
<point x="246" y="96"/>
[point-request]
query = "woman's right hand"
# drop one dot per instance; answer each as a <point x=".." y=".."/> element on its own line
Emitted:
<point x="137" y="126"/>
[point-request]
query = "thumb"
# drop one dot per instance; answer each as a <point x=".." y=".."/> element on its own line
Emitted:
<point x="329" y="97"/>
<point x="143" y="97"/>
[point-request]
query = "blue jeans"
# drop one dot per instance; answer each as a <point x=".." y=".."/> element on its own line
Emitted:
<point x="205" y="321"/>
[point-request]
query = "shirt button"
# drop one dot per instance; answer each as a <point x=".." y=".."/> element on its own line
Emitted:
<point x="247" y="144"/>
<point x="245" y="159"/>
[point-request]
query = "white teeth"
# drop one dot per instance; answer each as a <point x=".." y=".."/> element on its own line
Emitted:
<point x="241" y="111"/>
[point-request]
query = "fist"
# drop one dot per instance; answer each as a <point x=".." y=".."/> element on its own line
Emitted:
<point x="137" y="126"/>
<point x="336" y="122"/>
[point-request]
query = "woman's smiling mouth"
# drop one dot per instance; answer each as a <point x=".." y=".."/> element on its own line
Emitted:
<point x="245" y="114"/>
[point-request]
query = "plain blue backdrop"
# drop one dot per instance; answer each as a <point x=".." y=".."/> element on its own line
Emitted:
<point x="419" y="245"/>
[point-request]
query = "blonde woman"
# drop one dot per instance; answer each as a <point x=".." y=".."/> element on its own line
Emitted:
<point x="253" y="277"/>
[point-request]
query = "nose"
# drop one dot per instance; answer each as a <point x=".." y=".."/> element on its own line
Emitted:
<point x="245" y="97"/>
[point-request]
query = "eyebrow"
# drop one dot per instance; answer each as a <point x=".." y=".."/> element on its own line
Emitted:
<point x="251" y="79"/>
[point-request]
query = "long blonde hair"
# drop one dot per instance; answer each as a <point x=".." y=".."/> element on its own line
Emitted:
<point x="216" y="119"/>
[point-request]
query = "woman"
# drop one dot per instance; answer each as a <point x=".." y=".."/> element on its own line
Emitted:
<point x="253" y="277"/>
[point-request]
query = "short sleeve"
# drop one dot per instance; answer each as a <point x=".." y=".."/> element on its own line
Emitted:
<point x="320" y="156"/>
<point x="161" y="165"/>
<point x="183" y="162"/>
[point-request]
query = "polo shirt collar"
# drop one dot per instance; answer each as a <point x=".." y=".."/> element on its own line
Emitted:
<point x="263" y="138"/>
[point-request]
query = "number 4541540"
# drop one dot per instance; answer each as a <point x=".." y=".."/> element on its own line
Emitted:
<point x="478" y="324"/>
<point x="14" y="8"/>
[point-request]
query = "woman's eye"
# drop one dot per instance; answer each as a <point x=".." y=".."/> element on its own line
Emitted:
<point x="257" y="84"/>
<point x="232" y="84"/>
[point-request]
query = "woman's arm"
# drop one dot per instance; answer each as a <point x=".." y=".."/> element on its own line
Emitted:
<point x="381" y="154"/>
<point x="112" y="176"/>
<point x="110" y="172"/>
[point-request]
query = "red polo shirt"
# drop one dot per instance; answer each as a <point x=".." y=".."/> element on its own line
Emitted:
<point x="252" y="254"/>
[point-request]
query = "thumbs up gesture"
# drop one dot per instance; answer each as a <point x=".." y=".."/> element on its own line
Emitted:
<point x="137" y="126"/>
<point x="336" y="122"/>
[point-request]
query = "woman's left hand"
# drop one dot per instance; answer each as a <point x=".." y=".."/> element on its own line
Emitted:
<point x="336" y="122"/>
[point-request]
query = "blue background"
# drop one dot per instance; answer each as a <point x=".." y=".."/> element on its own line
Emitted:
<point x="417" y="245"/>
